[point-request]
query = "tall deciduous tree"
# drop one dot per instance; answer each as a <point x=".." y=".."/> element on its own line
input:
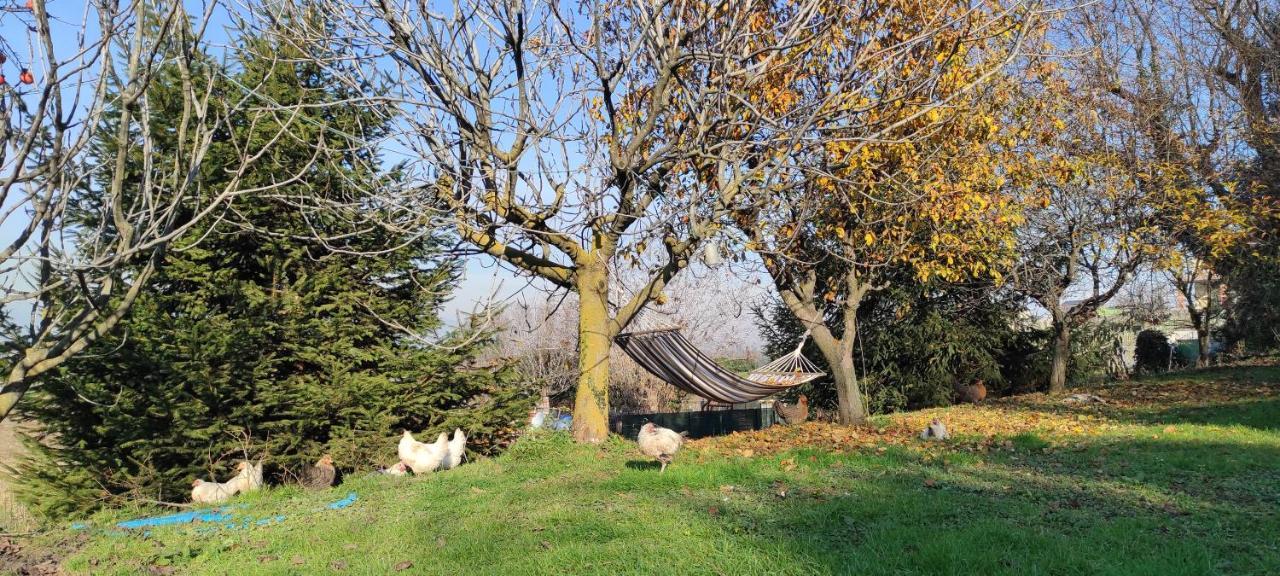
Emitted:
<point x="1245" y="63"/>
<point x="1146" y="59"/>
<point x="917" y="341"/>
<point x="66" y="284"/>
<point x="1089" y="218"/>
<point x="563" y="140"/>
<point x="917" y="181"/>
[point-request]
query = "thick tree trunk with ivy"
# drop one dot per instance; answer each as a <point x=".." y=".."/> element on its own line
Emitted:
<point x="595" y="337"/>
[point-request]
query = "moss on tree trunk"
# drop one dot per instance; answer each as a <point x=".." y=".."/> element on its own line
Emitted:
<point x="591" y="407"/>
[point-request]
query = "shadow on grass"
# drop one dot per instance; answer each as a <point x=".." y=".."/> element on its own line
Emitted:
<point x="1116" y="506"/>
<point x="1247" y="374"/>
<point x="1128" y="507"/>
<point x="1138" y="401"/>
<point x="1256" y="414"/>
<point x="644" y="465"/>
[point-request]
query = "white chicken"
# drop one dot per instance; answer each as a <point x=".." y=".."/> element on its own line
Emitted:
<point x="203" y="492"/>
<point x="457" y="448"/>
<point x="935" y="431"/>
<point x="536" y="418"/>
<point x="248" y="477"/>
<point x="397" y="469"/>
<point x="255" y="476"/>
<point x="658" y="442"/>
<point x="423" y="458"/>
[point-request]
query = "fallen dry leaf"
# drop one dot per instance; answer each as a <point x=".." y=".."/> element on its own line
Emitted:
<point x="989" y="425"/>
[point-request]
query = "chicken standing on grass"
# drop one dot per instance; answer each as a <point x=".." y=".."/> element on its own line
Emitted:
<point x="321" y="475"/>
<point x="397" y="469"/>
<point x="255" y="476"/>
<point x="660" y="443"/>
<point x="423" y="458"/>
<point x="971" y="394"/>
<point x="457" y="448"/>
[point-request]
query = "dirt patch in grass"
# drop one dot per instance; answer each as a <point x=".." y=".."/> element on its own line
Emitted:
<point x="26" y="561"/>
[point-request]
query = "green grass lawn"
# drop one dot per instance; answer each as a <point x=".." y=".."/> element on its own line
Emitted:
<point x="1179" y="475"/>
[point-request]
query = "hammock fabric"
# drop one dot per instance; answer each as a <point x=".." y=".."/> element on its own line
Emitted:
<point x="667" y="354"/>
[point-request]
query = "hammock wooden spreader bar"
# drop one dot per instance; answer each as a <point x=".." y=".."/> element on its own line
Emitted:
<point x="667" y="354"/>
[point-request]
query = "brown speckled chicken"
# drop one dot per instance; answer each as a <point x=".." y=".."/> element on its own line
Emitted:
<point x="793" y="413"/>
<point x="321" y="475"/>
<point x="973" y="393"/>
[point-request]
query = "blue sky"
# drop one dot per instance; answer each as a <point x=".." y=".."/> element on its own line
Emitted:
<point x="484" y="281"/>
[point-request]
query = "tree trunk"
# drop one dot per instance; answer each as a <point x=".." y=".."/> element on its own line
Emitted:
<point x="591" y="407"/>
<point x="837" y="352"/>
<point x="839" y="356"/>
<point x="1202" y="338"/>
<point x="853" y="409"/>
<point x="1061" y="355"/>
<point x="18" y="381"/>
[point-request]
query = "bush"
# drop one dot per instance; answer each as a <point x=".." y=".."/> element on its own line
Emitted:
<point x="1151" y="353"/>
<point x="1092" y="349"/>
<point x="917" y="341"/>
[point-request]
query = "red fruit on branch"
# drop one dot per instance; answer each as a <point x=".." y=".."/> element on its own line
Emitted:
<point x="26" y="77"/>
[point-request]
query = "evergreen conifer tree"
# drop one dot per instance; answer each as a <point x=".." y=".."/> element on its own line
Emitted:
<point x="256" y="340"/>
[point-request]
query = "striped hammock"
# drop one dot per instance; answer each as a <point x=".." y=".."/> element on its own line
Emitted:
<point x="665" y="352"/>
